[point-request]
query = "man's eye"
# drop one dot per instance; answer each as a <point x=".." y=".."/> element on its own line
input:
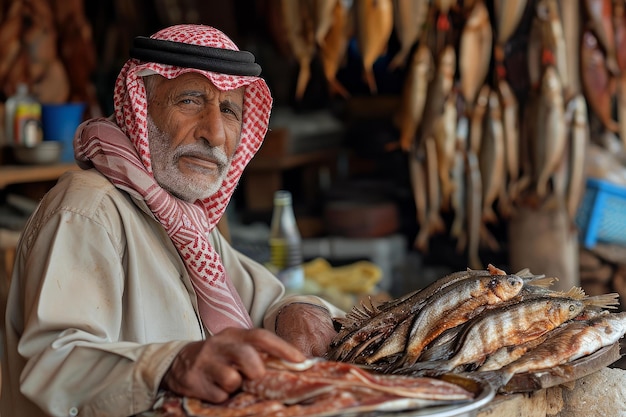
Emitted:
<point x="232" y="111"/>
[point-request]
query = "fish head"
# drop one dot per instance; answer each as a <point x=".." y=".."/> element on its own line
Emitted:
<point x="571" y="308"/>
<point x="506" y="286"/>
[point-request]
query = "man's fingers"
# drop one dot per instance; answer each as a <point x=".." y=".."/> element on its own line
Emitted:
<point x="273" y="345"/>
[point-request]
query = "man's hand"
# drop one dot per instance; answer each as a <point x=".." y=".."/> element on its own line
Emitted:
<point x="214" y="368"/>
<point x="307" y="326"/>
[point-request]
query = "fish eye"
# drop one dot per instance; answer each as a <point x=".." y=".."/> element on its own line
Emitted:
<point x="572" y="307"/>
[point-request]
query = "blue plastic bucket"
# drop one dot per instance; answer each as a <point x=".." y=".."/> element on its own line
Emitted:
<point x="59" y="123"/>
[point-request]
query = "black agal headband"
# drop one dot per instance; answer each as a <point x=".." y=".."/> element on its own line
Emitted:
<point x="206" y="58"/>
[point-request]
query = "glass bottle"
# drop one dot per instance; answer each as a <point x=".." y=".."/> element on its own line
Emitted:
<point x="22" y="118"/>
<point x="285" y="242"/>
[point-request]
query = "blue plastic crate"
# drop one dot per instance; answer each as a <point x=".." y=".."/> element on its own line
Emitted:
<point x="601" y="216"/>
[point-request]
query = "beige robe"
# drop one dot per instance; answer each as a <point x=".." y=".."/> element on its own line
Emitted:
<point x="100" y="303"/>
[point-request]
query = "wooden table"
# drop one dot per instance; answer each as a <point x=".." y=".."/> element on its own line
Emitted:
<point x="18" y="174"/>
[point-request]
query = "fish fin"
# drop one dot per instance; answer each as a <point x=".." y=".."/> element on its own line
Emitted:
<point x="577" y="293"/>
<point x="541" y="281"/>
<point x="604" y="300"/>
<point x="493" y="270"/>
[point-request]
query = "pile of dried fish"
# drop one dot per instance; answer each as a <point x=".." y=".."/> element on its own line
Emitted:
<point x="320" y="387"/>
<point x="479" y="321"/>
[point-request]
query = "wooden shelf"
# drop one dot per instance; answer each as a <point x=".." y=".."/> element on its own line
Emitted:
<point x="17" y="174"/>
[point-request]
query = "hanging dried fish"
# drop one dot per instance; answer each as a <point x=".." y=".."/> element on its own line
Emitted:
<point x="414" y="93"/>
<point x="323" y="14"/>
<point x="600" y="14"/>
<point x="619" y="23"/>
<point x="301" y="36"/>
<point x="475" y="52"/>
<point x="579" y="139"/>
<point x="596" y="80"/>
<point x="444" y="133"/>
<point x="553" y="38"/>
<point x="551" y="130"/>
<point x="439" y="89"/>
<point x="374" y="25"/>
<point x="409" y="18"/>
<point x="508" y="14"/>
<point x="492" y="159"/>
<point x="510" y="122"/>
<point x="534" y="52"/>
<point x="477" y="122"/>
<point x="333" y="46"/>
<point x="434" y="221"/>
<point x="458" y="179"/>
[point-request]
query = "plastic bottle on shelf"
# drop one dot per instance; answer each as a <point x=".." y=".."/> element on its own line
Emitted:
<point x="286" y="243"/>
<point x="22" y="119"/>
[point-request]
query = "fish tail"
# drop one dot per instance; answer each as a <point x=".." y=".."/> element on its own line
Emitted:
<point x="497" y="378"/>
<point x="423" y="368"/>
<point x="603" y="301"/>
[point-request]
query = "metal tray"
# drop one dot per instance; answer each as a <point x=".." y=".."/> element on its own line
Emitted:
<point x="406" y="407"/>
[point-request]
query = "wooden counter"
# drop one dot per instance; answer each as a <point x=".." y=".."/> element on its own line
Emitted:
<point x="18" y="174"/>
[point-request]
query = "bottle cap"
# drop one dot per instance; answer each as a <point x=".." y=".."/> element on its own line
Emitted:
<point x="282" y="197"/>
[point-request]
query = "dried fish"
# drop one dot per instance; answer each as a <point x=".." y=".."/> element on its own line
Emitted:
<point x="364" y="328"/>
<point x="514" y="324"/>
<point x="414" y="95"/>
<point x="455" y="305"/>
<point x="300" y="34"/>
<point x="553" y="38"/>
<point x="510" y="122"/>
<point x="477" y="119"/>
<point x="445" y="139"/>
<point x="508" y="14"/>
<point x="600" y="13"/>
<point x="333" y="46"/>
<point x="579" y="139"/>
<point x="409" y="18"/>
<point x="323" y="12"/>
<point x="492" y="159"/>
<point x="439" y="89"/>
<point x="569" y="342"/>
<point x="374" y="25"/>
<point x="551" y="130"/>
<point x="458" y="179"/>
<point x="475" y="52"/>
<point x="596" y="80"/>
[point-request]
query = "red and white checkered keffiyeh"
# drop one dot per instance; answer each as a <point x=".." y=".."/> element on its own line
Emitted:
<point x="120" y="151"/>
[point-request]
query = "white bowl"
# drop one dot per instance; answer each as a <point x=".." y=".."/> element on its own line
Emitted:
<point x="46" y="152"/>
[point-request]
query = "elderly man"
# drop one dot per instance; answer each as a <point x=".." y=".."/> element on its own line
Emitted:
<point x="122" y="284"/>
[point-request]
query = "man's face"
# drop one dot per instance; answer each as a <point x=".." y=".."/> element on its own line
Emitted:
<point x="193" y="131"/>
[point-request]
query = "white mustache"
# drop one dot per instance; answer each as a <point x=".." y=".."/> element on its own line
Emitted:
<point x="201" y="151"/>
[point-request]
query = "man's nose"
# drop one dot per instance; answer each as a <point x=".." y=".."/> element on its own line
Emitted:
<point x="211" y="127"/>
